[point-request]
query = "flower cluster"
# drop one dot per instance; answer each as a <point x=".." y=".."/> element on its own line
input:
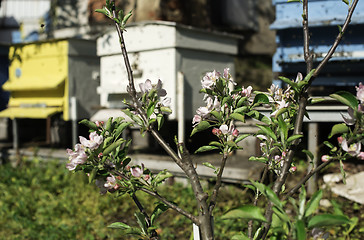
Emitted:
<point x="78" y="155"/>
<point x="154" y="93"/>
<point x="352" y="132"/>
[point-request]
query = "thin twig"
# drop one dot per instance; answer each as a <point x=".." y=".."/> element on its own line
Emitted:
<point x="193" y="218"/>
<point x="307" y="177"/>
<point x="217" y="184"/>
<point x="161" y="198"/>
<point x="145" y="214"/>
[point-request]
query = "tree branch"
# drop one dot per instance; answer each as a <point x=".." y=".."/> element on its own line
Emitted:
<point x="307" y="177"/>
<point x="217" y="184"/>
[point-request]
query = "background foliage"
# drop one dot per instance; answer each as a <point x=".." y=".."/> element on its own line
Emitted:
<point x="43" y="200"/>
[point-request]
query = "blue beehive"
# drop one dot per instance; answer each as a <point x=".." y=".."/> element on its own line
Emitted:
<point x="4" y="75"/>
<point x="346" y="67"/>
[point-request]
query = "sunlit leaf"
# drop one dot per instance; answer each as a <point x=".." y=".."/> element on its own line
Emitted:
<point x="339" y="129"/>
<point x="300" y="230"/>
<point x="325" y="220"/>
<point x="206" y="149"/>
<point x="313" y="203"/>
<point x="249" y="212"/>
<point x="346" y="98"/>
<point x="203" y="125"/>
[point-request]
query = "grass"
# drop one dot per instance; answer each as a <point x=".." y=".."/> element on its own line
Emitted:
<point x="43" y="200"/>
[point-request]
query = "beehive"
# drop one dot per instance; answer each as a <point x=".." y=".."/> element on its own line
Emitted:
<point x="44" y="76"/>
<point x="346" y="67"/>
<point x="159" y="50"/>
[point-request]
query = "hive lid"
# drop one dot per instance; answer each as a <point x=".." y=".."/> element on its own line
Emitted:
<point x="36" y="83"/>
<point x="31" y="112"/>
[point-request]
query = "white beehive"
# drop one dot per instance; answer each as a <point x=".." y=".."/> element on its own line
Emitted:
<point x="159" y="50"/>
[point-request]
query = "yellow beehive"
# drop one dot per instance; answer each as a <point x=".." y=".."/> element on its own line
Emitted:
<point x="43" y="76"/>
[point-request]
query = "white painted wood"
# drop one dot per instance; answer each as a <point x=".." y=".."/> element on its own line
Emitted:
<point x="158" y="50"/>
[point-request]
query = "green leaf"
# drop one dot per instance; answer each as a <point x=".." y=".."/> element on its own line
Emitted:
<point x="121" y="128"/>
<point x="294" y="137"/>
<point x="108" y="141"/>
<point x="289" y="82"/>
<point x="92" y="175"/>
<point x="158" y="210"/>
<point x="160" y="120"/>
<point x="119" y="225"/>
<point x="109" y="124"/>
<point x="313" y="203"/>
<point x="231" y="144"/>
<point x="215" y="143"/>
<point x="259" y="159"/>
<point x="346" y="98"/>
<point x="150" y="109"/>
<point x="325" y="220"/>
<point x="217" y="115"/>
<point x="209" y="165"/>
<point x="126" y="18"/>
<point x="249" y="212"/>
<point x="339" y="129"/>
<point x="270" y="194"/>
<point x="268" y="132"/>
<point x="302" y="202"/>
<point x="133" y="116"/>
<point x="113" y="146"/>
<point x="241" y="109"/>
<point x="259" y="116"/>
<point x="241" y="236"/>
<point x="261" y="98"/>
<point x="281" y="214"/>
<point x="300" y="230"/>
<point x="241" y="101"/>
<point x="308" y="153"/>
<point x="336" y="207"/>
<point x="203" y="125"/>
<point x="346" y="2"/>
<point x="241" y="137"/>
<point x="89" y="124"/>
<point x="141" y="222"/>
<point x="166" y="109"/>
<point x="342" y="171"/>
<point x="238" y="117"/>
<point x="206" y="149"/>
<point x="103" y="11"/>
<point x="328" y="144"/>
<point x="161" y="176"/>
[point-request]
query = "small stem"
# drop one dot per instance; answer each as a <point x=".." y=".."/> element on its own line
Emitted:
<point x="307" y="177"/>
<point x="154" y="234"/>
<point x="162" y="199"/>
<point x="193" y="218"/>
<point x="218" y="183"/>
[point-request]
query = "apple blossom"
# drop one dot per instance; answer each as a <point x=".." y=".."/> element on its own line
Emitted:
<point x="353" y="149"/>
<point x="349" y="120"/>
<point x="209" y="80"/>
<point x="137" y="171"/>
<point x="94" y="142"/>
<point x="360" y="92"/>
<point x="76" y="157"/>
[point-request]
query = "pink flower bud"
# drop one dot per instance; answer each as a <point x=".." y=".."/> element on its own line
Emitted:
<point x="340" y="140"/>
<point x="235" y="132"/>
<point x="100" y="155"/>
<point x="216" y="131"/>
<point x="293" y="169"/>
<point x="146" y="177"/>
<point x="325" y="158"/>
